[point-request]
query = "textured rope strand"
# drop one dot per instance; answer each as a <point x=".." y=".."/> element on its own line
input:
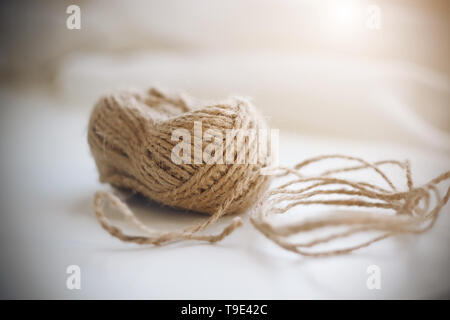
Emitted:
<point x="409" y="216"/>
<point x="155" y="237"/>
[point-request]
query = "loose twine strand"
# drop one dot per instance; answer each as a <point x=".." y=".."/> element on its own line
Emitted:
<point x="156" y="237"/>
<point x="413" y="210"/>
<point x="411" y="207"/>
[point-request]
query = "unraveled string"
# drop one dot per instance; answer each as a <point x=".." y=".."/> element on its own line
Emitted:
<point x="411" y="207"/>
<point x="157" y="237"/>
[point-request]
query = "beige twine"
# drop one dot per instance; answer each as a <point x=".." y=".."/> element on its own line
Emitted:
<point x="130" y="138"/>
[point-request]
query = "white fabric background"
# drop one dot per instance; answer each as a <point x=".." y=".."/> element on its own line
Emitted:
<point x="328" y="86"/>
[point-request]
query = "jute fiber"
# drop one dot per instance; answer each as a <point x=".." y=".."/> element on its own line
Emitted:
<point x="130" y="137"/>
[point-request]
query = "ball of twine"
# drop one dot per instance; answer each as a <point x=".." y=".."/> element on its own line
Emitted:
<point x="130" y="137"/>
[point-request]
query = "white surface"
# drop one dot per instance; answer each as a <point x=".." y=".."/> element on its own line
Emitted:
<point x="48" y="179"/>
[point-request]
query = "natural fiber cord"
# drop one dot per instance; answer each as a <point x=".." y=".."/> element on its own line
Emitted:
<point x="130" y="138"/>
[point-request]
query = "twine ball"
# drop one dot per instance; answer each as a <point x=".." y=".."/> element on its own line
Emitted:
<point x="130" y="137"/>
